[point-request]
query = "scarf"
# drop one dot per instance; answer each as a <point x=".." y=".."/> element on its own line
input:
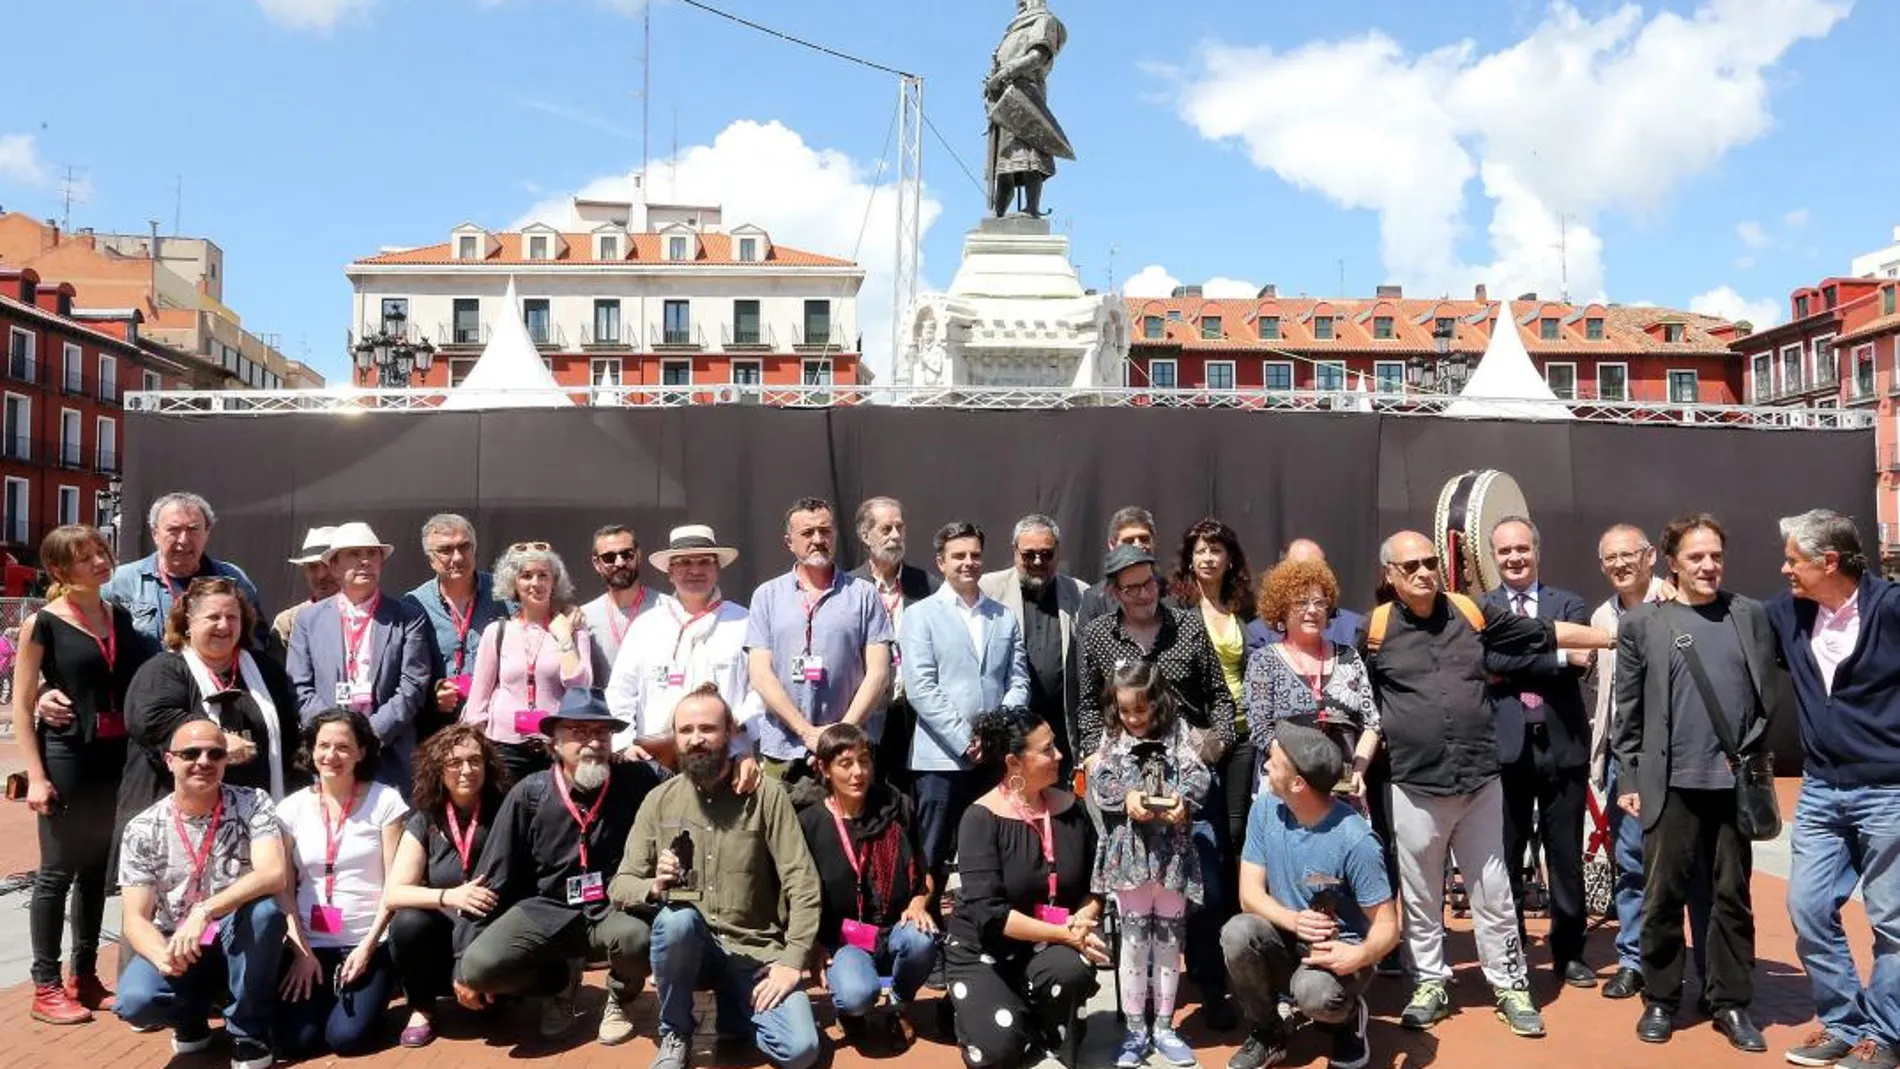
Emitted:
<point x="254" y="685"/>
<point x="695" y="658"/>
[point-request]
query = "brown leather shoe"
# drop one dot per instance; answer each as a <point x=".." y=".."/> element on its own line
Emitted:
<point x="53" y="1005"/>
<point x="87" y="990"/>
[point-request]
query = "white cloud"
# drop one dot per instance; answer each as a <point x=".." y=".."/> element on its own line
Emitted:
<point x="1228" y="288"/>
<point x="20" y="160"/>
<point x="1752" y="234"/>
<point x="1150" y="281"/>
<point x="321" y="15"/>
<point x="1723" y="301"/>
<point x="1580" y="117"/>
<point x="815" y="199"/>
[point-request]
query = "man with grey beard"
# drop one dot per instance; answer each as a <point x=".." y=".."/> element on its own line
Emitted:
<point x="1047" y="604"/>
<point x="736" y="893"/>
<point x="880" y="525"/>
<point x="558" y="837"/>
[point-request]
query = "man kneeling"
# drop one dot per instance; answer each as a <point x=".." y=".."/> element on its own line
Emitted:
<point x="1311" y="875"/>
<point x="737" y="895"/>
<point x="198" y="871"/>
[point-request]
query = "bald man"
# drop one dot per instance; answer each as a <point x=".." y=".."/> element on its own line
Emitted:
<point x="1346" y="625"/>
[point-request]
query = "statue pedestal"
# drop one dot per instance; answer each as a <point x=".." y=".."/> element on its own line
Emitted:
<point x="1015" y="315"/>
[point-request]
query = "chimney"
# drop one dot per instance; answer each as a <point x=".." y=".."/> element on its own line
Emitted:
<point x="49" y="237"/>
<point x="1186" y="291"/>
<point x="1531" y="296"/>
<point x="1394" y="292"/>
<point x="1269" y="292"/>
<point x="1480" y="295"/>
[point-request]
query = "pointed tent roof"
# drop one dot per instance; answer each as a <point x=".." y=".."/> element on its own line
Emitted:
<point x="1506" y="384"/>
<point x="509" y="373"/>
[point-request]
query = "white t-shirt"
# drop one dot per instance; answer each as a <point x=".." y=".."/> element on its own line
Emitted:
<point x="359" y="859"/>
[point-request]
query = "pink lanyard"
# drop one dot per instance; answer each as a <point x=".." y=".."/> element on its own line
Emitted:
<point x="811" y="609"/>
<point x="687" y="623"/>
<point x="461" y="623"/>
<point x="619" y="624"/>
<point x="850" y="854"/>
<point x="354" y="631"/>
<point x="464" y="844"/>
<point x="534" y="656"/>
<point x="200" y="857"/>
<point x="1045" y="838"/>
<point x="332" y="840"/>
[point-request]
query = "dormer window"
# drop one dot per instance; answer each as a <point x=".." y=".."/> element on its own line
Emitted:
<point x="1801" y="307"/>
<point x="1151" y="328"/>
<point x="1830" y="296"/>
<point x="1382" y="327"/>
<point x="1887" y="301"/>
<point x="467" y="247"/>
<point x="749" y="250"/>
<point x="609" y="247"/>
<point x="1210" y="328"/>
<point x="538" y="247"/>
<point x="1270" y="329"/>
<point x="1547" y="329"/>
<point x="1323" y="328"/>
<point x="1672" y="332"/>
<point x="676" y="247"/>
<point x="1593" y="328"/>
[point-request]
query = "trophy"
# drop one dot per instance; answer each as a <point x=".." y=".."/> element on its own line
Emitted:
<point x="679" y="839"/>
<point x="1156" y="796"/>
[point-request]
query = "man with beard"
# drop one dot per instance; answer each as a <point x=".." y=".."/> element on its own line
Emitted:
<point x="559" y="834"/>
<point x="1046" y="604"/>
<point x="818" y="645"/>
<point x="741" y="917"/>
<point x="880" y="525"/>
<point x="616" y="560"/>
<point x="362" y="651"/>
<point x="460" y="603"/>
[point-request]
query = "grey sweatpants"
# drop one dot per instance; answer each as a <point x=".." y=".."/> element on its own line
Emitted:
<point x="1472" y="827"/>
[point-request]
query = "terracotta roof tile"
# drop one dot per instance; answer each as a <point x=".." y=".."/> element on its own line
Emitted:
<point x="1872" y="328"/>
<point x="579" y="248"/>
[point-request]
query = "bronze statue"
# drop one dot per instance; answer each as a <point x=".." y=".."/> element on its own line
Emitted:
<point x="1025" y="139"/>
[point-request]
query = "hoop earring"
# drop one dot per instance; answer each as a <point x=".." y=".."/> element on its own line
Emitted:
<point x="1014" y="785"/>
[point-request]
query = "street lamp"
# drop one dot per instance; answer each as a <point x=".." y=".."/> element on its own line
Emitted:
<point x="391" y="353"/>
<point x="1445" y="368"/>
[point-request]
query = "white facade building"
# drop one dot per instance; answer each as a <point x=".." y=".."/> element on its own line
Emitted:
<point x="1882" y="264"/>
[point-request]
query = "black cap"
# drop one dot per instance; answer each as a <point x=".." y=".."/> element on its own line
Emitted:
<point x="1314" y="756"/>
<point x="1121" y="558"/>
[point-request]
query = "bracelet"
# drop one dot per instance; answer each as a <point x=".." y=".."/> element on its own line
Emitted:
<point x="442" y="899"/>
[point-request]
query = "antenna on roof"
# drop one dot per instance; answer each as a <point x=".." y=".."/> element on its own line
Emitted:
<point x="72" y="190"/>
<point x="646" y="91"/>
<point x="1113" y="248"/>
<point x="1342" y="276"/>
<point x="673" y="167"/>
<point x="1563" y="256"/>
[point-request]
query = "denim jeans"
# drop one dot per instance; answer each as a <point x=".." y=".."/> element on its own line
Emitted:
<point x="855" y="977"/>
<point x="1842" y="834"/>
<point x="1626" y="838"/>
<point x="250" y="944"/>
<point x="688" y="957"/>
<point x="1202" y="952"/>
<point x="341" y="1022"/>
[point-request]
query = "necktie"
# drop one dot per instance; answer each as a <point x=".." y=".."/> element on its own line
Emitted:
<point x="1533" y="703"/>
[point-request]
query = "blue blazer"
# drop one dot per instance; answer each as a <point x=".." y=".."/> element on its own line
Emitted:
<point x="1851" y="737"/>
<point x="400" y="656"/>
<point x="946" y="682"/>
<point x="1560" y="684"/>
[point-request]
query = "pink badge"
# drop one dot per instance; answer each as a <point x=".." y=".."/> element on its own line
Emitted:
<point x="860" y="935"/>
<point x="1052" y="915"/>
<point x="676" y="679"/>
<point x="210" y="936"/>
<point x="528" y="721"/>
<point x="108" y="724"/>
<point x="327" y="920"/>
<point x="462" y="685"/>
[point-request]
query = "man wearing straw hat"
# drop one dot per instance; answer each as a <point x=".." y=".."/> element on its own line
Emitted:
<point x="316" y="576"/>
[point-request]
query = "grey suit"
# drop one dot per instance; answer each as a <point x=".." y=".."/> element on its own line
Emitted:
<point x="401" y="669"/>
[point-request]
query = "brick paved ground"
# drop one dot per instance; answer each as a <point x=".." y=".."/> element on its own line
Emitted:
<point x="1586" y="1030"/>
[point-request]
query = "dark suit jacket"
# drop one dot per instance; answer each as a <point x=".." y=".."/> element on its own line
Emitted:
<point x="402" y="666"/>
<point x="913" y="585"/>
<point x="1644" y="719"/>
<point x="1566" y="720"/>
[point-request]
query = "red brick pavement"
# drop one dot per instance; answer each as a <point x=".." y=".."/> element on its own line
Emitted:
<point x="1585" y="1029"/>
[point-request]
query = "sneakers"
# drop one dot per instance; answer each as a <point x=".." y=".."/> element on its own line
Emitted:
<point x="1822" y="1047"/>
<point x="52" y="1005"/>
<point x="615" y="1029"/>
<point x="674" y="1052"/>
<point x="557" y="1011"/>
<point x="1171" y="1046"/>
<point x="1430" y="1004"/>
<point x="1516" y="1009"/>
<point x="1134" y="1048"/>
<point x="85" y="989"/>
<point x="1870" y="1054"/>
<point x="192" y="1038"/>
<point x="250" y="1054"/>
<point x="1261" y="1051"/>
<point x="1350" y="1049"/>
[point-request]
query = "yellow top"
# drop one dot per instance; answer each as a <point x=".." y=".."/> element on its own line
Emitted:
<point x="1230" y="645"/>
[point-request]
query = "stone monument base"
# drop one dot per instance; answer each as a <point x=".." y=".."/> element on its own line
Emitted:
<point x="1015" y="315"/>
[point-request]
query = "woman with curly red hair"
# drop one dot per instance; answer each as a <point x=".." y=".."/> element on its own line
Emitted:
<point x="1306" y="678"/>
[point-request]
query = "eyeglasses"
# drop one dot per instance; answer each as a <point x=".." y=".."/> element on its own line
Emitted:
<point x="1428" y="564"/>
<point x="614" y="556"/>
<point x="529" y="547"/>
<point x="1313" y="605"/>
<point x="1036" y="556"/>
<point x="1625" y="557"/>
<point x="464" y="762"/>
<point x="1145" y="586"/>
<point x="453" y="549"/>
<point x="191" y="754"/>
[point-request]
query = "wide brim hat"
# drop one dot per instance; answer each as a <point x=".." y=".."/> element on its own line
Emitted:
<point x="692" y="540"/>
<point x="355" y="535"/>
<point x="582" y="705"/>
<point x="316" y="545"/>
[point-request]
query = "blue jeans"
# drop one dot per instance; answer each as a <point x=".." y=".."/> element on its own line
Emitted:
<point x="250" y="941"/>
<point x="688" y="957"/>
<point x="1843" y="835"/>
<point x="941" y="799"/>
<point x="1626" y="837"/>
<point x="1203" y="958"/>
<point x="854" y="976"/>
<point x="340" y="1022"/>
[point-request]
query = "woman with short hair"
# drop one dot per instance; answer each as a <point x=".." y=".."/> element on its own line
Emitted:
<point x="526" y="662"/>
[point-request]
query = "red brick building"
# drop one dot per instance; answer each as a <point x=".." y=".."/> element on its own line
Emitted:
<point x="62" y="386"/>
<point x="1593" y="351"/>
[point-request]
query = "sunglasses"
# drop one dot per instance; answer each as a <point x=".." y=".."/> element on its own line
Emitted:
<point x="191" y="754"/>
<point x="617" y="556"/>
<point x="1409" y="567"/>
<point x="1037" y="556"/>
<point x="529" y="547"/>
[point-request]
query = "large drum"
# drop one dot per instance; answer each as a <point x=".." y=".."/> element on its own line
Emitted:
<point x="1468" y="507"/>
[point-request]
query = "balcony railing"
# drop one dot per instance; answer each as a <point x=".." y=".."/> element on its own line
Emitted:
<point x="678" y="338"/>
<point x="108" y="391"/>
<point x="805" y="338"/>
<point x="107" y="462"/>
<point x="758" y="339"/>
<point x="467" y="337"/>
<point x="548" y="337"/>
<point x="23" y="368"/>
<point x="70" y="456"/>
<point x="16" y="447"/>
<point x="592" y="337"/>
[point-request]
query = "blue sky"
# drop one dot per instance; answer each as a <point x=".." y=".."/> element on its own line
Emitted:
<point x="1715" y="154"/>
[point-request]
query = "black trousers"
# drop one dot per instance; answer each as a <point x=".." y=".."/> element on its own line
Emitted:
<point x="75" y="850"/>
<point x="422" y="947"/>
<point x="1004" y="1006"/>
<point x="1544" y="801"/>
<point x="1698" y="827"/>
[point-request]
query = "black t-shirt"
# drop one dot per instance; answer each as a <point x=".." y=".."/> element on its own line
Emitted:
<point x="72" y="662"/>
<point x="443" y="866"/>
<point x="1696" y="760"/>
<point x="1000" y="863"/>
<point x="1042" y="643"/>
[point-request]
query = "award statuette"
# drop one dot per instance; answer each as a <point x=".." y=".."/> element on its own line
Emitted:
<point x="1156" y="796"/>
<point x="678" y="836"/>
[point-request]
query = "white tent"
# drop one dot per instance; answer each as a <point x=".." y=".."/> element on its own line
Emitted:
<point x="1505" y="384"/>
<point x="510" y="373"/>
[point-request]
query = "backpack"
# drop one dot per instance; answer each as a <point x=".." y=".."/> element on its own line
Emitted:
<point x="1382" y="618"/>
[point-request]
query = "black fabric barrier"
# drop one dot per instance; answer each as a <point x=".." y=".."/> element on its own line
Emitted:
<point x="1346" y="480"/>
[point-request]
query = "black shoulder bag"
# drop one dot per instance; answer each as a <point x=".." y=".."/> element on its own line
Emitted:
<point x="1757" y="809"/>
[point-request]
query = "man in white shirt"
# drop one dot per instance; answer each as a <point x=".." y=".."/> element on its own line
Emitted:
<point x="616" y="559"/>
<point x="690" y="637"/>
<point x="963" y="655"/>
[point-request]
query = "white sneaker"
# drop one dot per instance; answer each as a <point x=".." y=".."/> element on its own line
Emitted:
<point x="615" y="1029"/>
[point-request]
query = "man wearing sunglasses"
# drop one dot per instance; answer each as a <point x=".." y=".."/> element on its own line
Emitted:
<point x="1426" y="656"/>
<point x="1047" y="605"/>
<point x="198" y="871"/>
<point x="617" y="561"/>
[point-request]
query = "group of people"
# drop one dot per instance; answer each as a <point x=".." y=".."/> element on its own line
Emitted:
<point x="470" y="791"/>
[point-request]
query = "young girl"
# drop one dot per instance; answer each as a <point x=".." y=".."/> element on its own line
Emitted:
<point x="1150" y="779"/>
